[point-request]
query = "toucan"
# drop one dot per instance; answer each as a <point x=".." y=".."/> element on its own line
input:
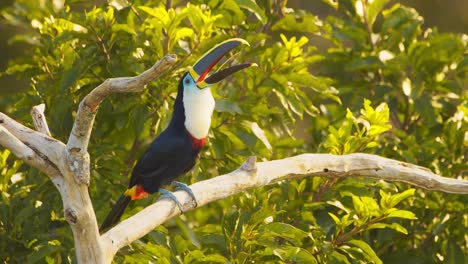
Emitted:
<point x="176" y="150"/>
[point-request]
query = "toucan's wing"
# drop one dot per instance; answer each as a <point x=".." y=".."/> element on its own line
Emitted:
<point x="166" y="158"/>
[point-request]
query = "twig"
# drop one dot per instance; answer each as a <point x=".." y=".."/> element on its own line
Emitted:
<point x="39" y="119"/>
<point x="25" y="153"/>
<point x="47" y="147"/>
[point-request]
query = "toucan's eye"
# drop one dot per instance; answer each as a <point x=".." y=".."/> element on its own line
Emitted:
<point x="187" y="81"/>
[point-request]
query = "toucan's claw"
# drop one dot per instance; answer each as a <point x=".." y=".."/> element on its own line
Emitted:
<point x="167" y="194"/>
<point x="184" y="187"/>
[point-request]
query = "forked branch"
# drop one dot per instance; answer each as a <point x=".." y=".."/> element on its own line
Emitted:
<point x="47" y="148"/>
<point x="68" y="165"/>
<point x="77" y="146"/>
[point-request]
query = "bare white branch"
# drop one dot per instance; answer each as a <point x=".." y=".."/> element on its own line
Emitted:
<point x="251" y="175"/>
<point x="26" y="154"/>
<point x="68" y="165"/>
<point x="77" y="153"/>
<point x="39" y="119"/>
<point x="46" y="147"/>
<point x="17" y="147"/>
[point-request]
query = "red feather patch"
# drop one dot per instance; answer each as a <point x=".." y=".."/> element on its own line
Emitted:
<point x="136" y="192"/>
<point x="196" y="142"/>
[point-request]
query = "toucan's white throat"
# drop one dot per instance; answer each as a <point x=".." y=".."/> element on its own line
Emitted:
<point x="199" y="105"/>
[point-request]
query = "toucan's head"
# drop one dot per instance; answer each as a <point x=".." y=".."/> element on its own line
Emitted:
<point x="198" y="76"/>
<point x="197" y="100"/>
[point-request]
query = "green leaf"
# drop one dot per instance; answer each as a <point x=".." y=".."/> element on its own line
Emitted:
<point x="373" y="9"/>
<point x="159" y="13"/>
<point x="378" y="226"/>
<point x="397" y="198"/>
<point x="336" y="257"/>
<point x="338" y="204"/>
<point x="384" y="199"/>
<point x="158" y="251"/>
<point x="42" y="252"/>
<point x="138" y="119"/>
<point x="335" y="218"/>
<point x="402" y="214"/>
<point x="454" y="254"/>
<point x="372" y="144"/>
<point x="359" y="206"/>
<point x="332" y="3"/>
<point x="247" y="138"/>
<point x="228" y="106"/>
<point x="18" y="68"/>
<point x="269" y="233"/>
<point x="290" y="23"/>
<point x="71" y="76"/>
<point x="232" y="14"/>
<point x="369" y="252"/>
<point x="394" y="226"/>
<point x="124" y="28"/>
<point x="398" y="227"/>
<point x="254" y="8"/>
<point x="364" y="63"/>
<point x="214" y="258"/>
<point x="421" y="105"/>
<point x="371" y="205"/>
<point x="301" y="256"/>
<point x="260" y="134"/>
<point x="399" y="17"/>
<point x="183" y="32"/>
<point x="193" y="256"/>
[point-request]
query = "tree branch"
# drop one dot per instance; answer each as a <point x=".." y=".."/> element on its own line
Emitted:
<point x="48" y="148"/>
<point x="17" y="147"/>
<point x="77" y="146"/>
<point x="25" y="153"/>
<point x="251" y="175"/>
<point x="39" y="120"/>
<point x="68" y="165"/>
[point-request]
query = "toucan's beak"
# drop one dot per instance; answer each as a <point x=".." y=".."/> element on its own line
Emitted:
<point x="202" y="67"/>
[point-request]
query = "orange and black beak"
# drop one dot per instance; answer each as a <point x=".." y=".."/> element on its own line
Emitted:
<point x="202" y="67"/>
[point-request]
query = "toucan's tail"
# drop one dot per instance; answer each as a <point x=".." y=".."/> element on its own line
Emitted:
<point x="117" y="210"/>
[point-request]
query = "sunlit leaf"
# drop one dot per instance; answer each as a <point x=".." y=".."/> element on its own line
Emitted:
<point x="402" y="214"/>
<point x="254" y="8"/>
<point x="369" y="252"/>
<point x="397" y="198"/>
<point x="374" y="8"/>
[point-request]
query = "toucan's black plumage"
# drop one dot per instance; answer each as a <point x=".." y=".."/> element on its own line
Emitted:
<point x="172" y="153"/>
<point x="176" y="150"/>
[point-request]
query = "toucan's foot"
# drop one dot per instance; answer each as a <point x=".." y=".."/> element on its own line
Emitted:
<point x="167" y="194"/>
<point x="184" y="187"/>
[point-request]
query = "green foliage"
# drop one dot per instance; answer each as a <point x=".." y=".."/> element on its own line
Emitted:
<point x="367" y="128"/>
<point x="380" y="83"/>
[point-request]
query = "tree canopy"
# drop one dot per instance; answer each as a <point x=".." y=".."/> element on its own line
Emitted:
<point x="368" y="78"/>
